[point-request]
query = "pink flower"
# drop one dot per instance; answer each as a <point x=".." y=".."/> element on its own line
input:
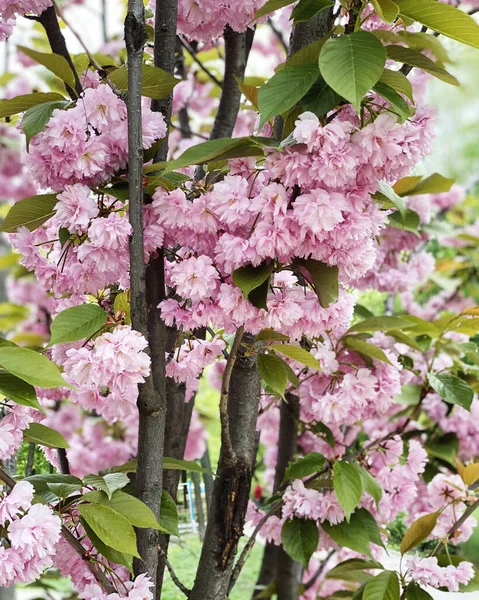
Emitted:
<point x="195" y="278"/>
<point x="75" y="208"/>
<point x="20" y="498"/>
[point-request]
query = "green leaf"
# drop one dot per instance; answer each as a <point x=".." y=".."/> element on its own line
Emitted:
<point x="30" y="212"/>
<point x="397" y="102"/>
<point x="22" y="103"/>
<point x="266" y="335"/>
<point x="168" y="514"/>
<point x="111" y="527"/>
<point x="32" y="367"/>
<point x="321" y="98"/>
<point x="42" y="482"/>
<point x="370" y="485"/>
<point x="307" y="465"/>
<point x="408" y="222"/>
<point x="386" y="9"/>
<point x="44" y="436"/>
<point x="387" y="191"/>
<point x="249" y="278"/>
<point x="77" y="323"/>
<point x="352" y="65"/>
<point x="323" y="278"/>
<point x="308" y="54"/>
<point x="270" y="7"/>
<point x="53" y="62"/>
<point x="398" y="82"/>
<point x="108" y="483"/>
<point x="63" y="490"/>
<point x="298" y="354"/>
<point x="384" y="586"/>
<point x="213" y="150"/>
<point x="424" y="41"/>
<point x="443" y="18"/>
<point x="353" y="535"/>
<point x="419" y="531"/>
<point x="452" y="389"/>
<point x="35" y="118"/>
<point x="176" y="464"/>
<point x="19" y="391"/>
<point x="445" y="448"/>
<point x="122" y="305"/>
<point x="128" y="467"/>
<point x="416" y="59"/>
<point x="366" y="349"/>
<point x="136" y="511"/>
<point x="272" y="371"/>
<point x="410" y="394"/>
<point x="434" y="184"/>
<point x="348" y="486"/>
<point x="119" y="558"/>
<point x="347" y="569"/>
<point x="156" y="83"/>
<point x="285" y="89"/>
<point x="306" y="9"/>
<point x="381" y="324"/>
<point x="414" y="592"/>
<point x="300" y="538"/>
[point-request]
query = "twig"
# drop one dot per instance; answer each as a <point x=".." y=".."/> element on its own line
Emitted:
<point x="249" y="545"/>
<point x="194" y="56"/>
<point x="318" y="573"/>
<point x="278" y="34"/>
<point x="49" y="21"/>
<point x="173" y="575"/>
<point x="467" y="513"/>
<point x="227" y="446"/>
<point x="91" y="58"/>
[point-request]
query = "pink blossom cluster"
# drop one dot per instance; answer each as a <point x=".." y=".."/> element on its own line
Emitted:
<point x="139" y="589"/>
<point x="31" y="533"/>
<point x="94" y="442"/>
<point x="108" y="371"/>
<point x="15" y="183"/>
<point x="88" y="143"/>
<point x="347" y="393"/>
<point x="426" y="571"/>
<point x="10" y="9"/>
<point x="204" y="20"/>
<point x="87" y="266"/>
<point x="12" y="426"/>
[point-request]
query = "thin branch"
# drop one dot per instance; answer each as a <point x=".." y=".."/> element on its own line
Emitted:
<point x="91" y="58"/>
<point x="49" y="21"/>
<point x="191" y="51"/>
<point x="237" y="48"/>
<point x="249" y="545"/>
<point x="226" y="444"/>
<point x="467" y="513"/>
<point x="173" y="575"/>
<point x="279" y="34"/>
<point x="322" y="566"/>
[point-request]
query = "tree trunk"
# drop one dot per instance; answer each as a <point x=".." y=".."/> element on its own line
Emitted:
<point x="199" y="505"/>
<point x="232" y="484"/>
<point x="207" y="477"/>
<point x="277" y="565"/>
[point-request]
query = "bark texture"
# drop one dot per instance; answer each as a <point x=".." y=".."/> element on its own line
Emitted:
<point x="151" y="398"/>
<point x="277" y="567"/>
<point x="232" y="484"/>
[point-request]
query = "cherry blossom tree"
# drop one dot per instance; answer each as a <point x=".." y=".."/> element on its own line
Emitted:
<point x="172" y="221"/>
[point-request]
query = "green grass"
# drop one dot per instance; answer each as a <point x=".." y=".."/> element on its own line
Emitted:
<point x="184" y="556"/>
